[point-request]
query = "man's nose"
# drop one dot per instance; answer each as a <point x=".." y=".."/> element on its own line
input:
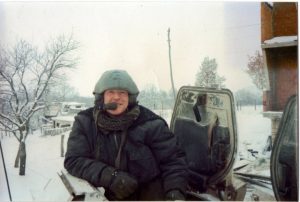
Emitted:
<point x="116" y="96"/>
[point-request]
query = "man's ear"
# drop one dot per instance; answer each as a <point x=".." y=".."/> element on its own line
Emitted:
<point x="99" y="100"/>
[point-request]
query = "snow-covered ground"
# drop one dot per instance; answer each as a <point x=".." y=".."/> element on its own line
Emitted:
<point x="43" y="161"/>
<point x="253" y="130"/>
<point x="41" y="182"/>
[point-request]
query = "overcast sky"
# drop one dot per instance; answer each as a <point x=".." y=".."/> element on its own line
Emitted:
<point x="133" y="36"/>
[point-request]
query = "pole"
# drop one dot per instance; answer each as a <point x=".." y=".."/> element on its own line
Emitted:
<point x="171" y="73"/>
<point x="62" y="151"/>
<point x="8" y="188"/>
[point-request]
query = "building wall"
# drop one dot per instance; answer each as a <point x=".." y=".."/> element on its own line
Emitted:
<point x="285" y="19"/>
<point x="287" y="77"/>
<point x="283" y="76"/>
<point x="279" y="20"/>
<point x="276" y="21"/>
<point x="266" y="22"/>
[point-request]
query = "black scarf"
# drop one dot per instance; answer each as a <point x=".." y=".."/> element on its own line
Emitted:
<point x="107" y="123"/>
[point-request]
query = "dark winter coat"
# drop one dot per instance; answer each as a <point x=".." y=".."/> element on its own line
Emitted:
<point x="151" y="154"/>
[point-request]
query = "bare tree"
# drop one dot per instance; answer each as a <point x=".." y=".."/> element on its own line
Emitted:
<point x="25" y="75"/>
<point x="256" y="71"/>
<point x="60" y="91"/>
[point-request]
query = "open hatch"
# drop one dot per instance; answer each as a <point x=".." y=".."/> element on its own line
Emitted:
<point x="204" y="122"/>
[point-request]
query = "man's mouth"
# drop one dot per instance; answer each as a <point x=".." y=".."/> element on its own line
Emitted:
<point x="111" y="106"/>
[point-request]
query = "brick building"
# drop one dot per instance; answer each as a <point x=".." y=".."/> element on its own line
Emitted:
<point x="279" y="42"/>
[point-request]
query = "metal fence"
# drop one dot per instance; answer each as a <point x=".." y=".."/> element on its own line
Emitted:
<point x="54" y="131"/>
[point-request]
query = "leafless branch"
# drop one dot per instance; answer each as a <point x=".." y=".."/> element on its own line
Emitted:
<point x="9" y="119"/>
<point x="26" y="74"/>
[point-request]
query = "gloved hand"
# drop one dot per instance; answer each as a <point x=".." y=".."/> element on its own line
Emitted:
<point x="120" y="183"/>
<point x="175" y="195"/>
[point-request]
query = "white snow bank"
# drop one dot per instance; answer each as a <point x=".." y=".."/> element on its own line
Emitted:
<point x="281" y="39"/>
<point x="253" y="129"/>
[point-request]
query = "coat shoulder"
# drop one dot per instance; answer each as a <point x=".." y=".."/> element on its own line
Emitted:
<point x="84" y="117"/>
<point x="147" y="115"/>
<point x="86" y="112"/>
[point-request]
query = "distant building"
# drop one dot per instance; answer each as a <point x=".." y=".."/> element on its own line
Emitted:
<point x="52" y="110"/>
<point x="61" y="114"/>
<point x="279" y="43"/>
<point x="62" y="121"/>
<point x="71" y="108"/>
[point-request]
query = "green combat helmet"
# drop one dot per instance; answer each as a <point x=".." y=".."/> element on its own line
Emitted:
<point x="116" y="79"/>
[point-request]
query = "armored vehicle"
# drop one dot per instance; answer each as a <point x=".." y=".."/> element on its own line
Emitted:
<point x="204" y="122"/>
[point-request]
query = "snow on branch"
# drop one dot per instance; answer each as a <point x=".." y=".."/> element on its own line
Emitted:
<point x="25" y="75"/>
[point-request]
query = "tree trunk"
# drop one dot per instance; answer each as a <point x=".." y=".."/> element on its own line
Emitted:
<point x="17" y="160"/>
<point x="62" y="150"/>
<point x="19" y="151"/>
<point x="22" y="158"/>
<point x="6" y="133"/>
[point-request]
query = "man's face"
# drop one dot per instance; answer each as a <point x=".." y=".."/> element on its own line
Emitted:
<point x="118" y="96"/>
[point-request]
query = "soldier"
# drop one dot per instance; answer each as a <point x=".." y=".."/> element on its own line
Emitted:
<point x="124" y="147"/>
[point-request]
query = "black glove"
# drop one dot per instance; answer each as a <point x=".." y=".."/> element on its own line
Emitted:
<point x="174" y="195"/>
<point x="120" y="183"/>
